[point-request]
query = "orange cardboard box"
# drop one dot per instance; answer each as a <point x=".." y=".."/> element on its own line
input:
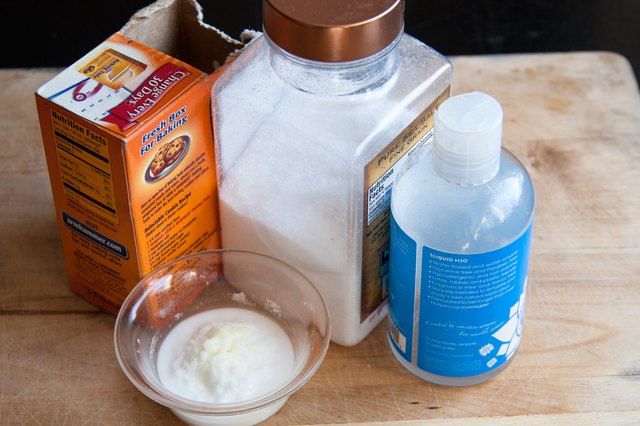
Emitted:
<point x="128" y="142"/>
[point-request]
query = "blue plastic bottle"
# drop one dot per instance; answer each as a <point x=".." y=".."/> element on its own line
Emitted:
<point x="462" y="217"/>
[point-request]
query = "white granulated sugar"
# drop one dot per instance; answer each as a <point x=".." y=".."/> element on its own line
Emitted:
<point x="242" y="298"/>
<point x="273" y="308"/>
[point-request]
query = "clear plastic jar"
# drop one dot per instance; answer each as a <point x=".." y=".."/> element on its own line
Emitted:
<point x="299" y="144"/>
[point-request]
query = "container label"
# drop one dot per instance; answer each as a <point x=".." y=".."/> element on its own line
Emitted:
<point x="94" y="236"/>
<point x="379" y="175"/>
<point x="85" y="167"/>
<point x="112" y="68"/>
<point x="144" y="97"/>
<point x="456" y="315"/>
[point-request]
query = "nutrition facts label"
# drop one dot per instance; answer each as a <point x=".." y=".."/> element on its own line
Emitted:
<point x="83" y="159"/>
<point x="379" y="175"/>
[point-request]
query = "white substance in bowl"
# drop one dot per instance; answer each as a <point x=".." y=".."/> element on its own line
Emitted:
<point x="225" y="355"/>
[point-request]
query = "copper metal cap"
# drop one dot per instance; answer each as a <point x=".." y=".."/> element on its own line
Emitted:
<point x="333" y="30"/>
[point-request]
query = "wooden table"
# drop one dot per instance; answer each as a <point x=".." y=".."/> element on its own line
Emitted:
<point x="573" y="120"/>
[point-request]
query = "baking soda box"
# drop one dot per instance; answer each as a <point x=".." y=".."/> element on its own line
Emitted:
<point x="128" y="143"/>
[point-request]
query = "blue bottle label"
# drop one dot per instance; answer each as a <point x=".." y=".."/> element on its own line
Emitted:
<point x="456" y="315"/>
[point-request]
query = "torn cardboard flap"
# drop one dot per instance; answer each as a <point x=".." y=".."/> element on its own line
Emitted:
<point x="176" y="27"/>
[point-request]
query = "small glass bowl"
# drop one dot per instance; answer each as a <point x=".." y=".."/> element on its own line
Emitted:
<point x="217" y="279"/>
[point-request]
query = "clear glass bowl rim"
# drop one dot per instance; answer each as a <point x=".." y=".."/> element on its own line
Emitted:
<point x="176" y="402"/>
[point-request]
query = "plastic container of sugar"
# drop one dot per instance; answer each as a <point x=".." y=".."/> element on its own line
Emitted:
<point x="222" y="337"/>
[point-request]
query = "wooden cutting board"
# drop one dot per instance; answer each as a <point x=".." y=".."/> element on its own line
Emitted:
<point x="572" y="119"/>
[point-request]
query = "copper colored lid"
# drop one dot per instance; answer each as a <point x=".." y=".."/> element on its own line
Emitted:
<point x="333" y="30"/>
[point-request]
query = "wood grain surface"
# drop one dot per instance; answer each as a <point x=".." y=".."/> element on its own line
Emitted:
<point x="572" y="119"/>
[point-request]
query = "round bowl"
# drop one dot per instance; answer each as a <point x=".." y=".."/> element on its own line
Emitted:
<point x="220" y="279"/>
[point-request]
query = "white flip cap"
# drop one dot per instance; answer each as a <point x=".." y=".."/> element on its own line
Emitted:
<point x="467" y="138"/>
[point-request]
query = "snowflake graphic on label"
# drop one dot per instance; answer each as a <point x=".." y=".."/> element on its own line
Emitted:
<point x="509" y="334"/>
<point x="486" y="349"/>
